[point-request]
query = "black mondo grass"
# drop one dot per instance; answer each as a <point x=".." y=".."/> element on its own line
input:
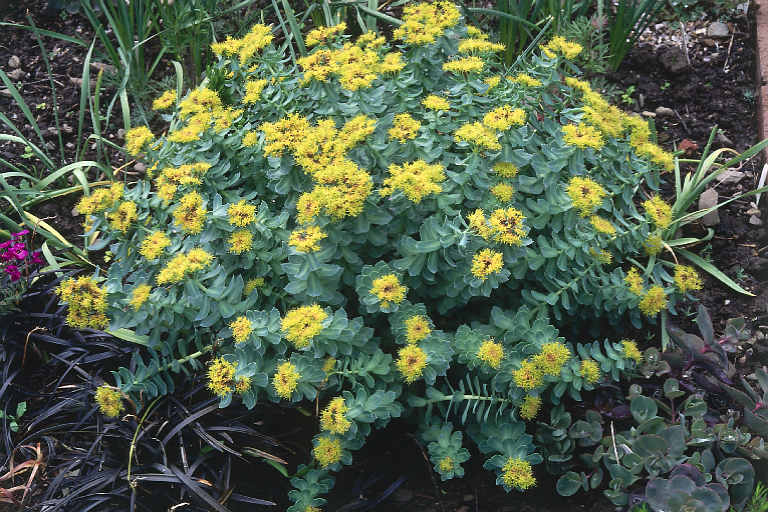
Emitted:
<point x="64" y="455"/>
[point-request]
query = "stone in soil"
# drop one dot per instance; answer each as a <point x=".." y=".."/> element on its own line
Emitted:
<point x="708" y="199"/>
<point x="718" y="29"/>
<point x="673" y="60"/>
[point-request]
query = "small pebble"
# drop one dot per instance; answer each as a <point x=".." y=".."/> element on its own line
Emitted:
<point x="664" y="112"/>
<point x="755" y="220"/>
<point x="14" y="61"/>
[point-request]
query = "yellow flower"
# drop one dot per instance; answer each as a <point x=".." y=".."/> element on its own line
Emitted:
<point x="100" y="199"/>
<point x="505" y="169"/>
<point x="166" y="100"/>
<point x="526" y="80"/>
<point x="174" y="270"/>
<point x="140" y="295"/>
<point x="327" y="451"/>
<point x="110" y="401"/>
<point x="602" y="255"/>
<point x="687" y="279"/>
<point x="567" y="49"/>
<point x="417" y="328"/>
<point x="487" y="262"/>
<point x="329" y="365"/>
<point x="479" y="46"/>
<point x="241" y="328"/>
<point x="583" y="136"/>
<point x="579" y="85"/>
<point x="321" y="35"/>
<point x="423" y="23"/>
<point x="391" y="63"/>
<point x="659" y="211"/>
<point x="518" y="473"/>
<point x="221" y="376"/>
<point x="446" y="464"/>
<point x="479" y="135"/>
<point x="240" y="241"/>
<point x="503" y="192"/>
<point x="473" y="31"/>
<point x="253" y="90"/>
<point x="464" y="65"/>
<point x="251" y="138"/>
<point x="333" y="418"/>
<point x="530" y="407"/>
<point x="189" y="214"/>
<point x="590" y="371"/>
<point x="602" y="225"/>
<point x="655" y="153"/>
<point x="137" y="138"/>
<point x="433" y="102"/>
<point x="411" y="362"/>
<point x="388" y="289"/>
<point x="586" y="194"/>
<point x="507" y="226"/>
<point x="242" y="385"/>
<point x="284" y="134"/>
<point x="87" y="303"/>
<point x="122" y="218"/>
<point x="286" y="379"/>
<point x="654" y="300"/>
<point x="478" y="224"/>
<point x="307" y="239"/>
<point x="653" y="244"/>
<point x="491" y="353"/>
<point x="528" y="376"/>
<point x="200" y="101"/>
<point x="241" y="214"/>
<point x="257" y="38"/>
<point x="634" y="281"/>
<point x="198" y="259"/>
<point x="552" y="358"/>
<point x="302" y="324"/>
<point x="631" y="351"/>
<point x="252" y="284"/>
<point x="404" y="128"/>
<point x="416" y="179"/>
<point x="504" y="117"/>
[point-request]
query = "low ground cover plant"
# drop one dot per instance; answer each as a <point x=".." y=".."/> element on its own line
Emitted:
<point x="395" y="228"/>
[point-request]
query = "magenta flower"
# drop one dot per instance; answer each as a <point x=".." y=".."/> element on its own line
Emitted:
<point x="20" y="234"/>
<point x="36" y="258"/>
<point x="13" y="271"/>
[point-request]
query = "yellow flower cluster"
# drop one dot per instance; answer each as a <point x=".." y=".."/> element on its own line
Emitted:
<point x="659" y="211"/>
<point x="240" y="241"/>
<point x="602" y="225"/>
<point x="528" y="376"/>
<point x="241" y="214"/>
<point x="122" y="218"/>
<point x="388" y="289"/>
<point x="307" y="239"/>
<point x="602" y="115"/>
<point x="110" y="401"/>
<point x="582" y="136"/>
<point x="137" y="139"/>
<point x="433" y="102"/>
<point x="253" y="89"/>
<point x="327" y="451"/>
<point x="559" y="45"/>
<point x="687" y="279"/>
<point x="634" y="281"/>
<point x="503" y="192"/>
<point x="478" y="45"/>
<point x="415" y="179"/>
<point x="182" y="264"/>
<point x="139" y="296"/>
<point x="286" y="379"/>
<point x="525" y="79"/>
<point x="171" y="177"/>
<point x="491" y="353"/>
<point x="586" y="194"/>
<point x="590" y="371"/>
<point x="471" y="64"/>
<point x="423" y="23"/>
<point x="302" y="324"/>
<point x="165" y="100"/>
<point x="252" y="284"/>
<point x="221" y="376"/>
<point x="200" y="108"/>
<point x="504" y="117"/>
<point x="631" y="351"/>
<point x="404" y="128"/>
<point x="241" y="328"/>
<point x="603" y="256"/>
<point x="518" y="473"/>
<point x="416" y="328"/>
<point x="446" y="464"/>
<point x="506" y="226"/>
<point x="333" y="418"/>
<point x="321" y="35"/>
<point x="411" y="361"/>
<point x="530" y="407"/>
<point x="87" y="302"/>
<point x="653" y="244"/>
<point x="505" y="169"/>
<point x="481" y="136"/>
<point x="654" y="300"/>
<point x="189" y="215"/>
<point x="245" y="48"/>
<point x="492" y="81"/>
<point x="487" y="262"/>
<point x="100" y="199"/>
<point x="549" y="361"/>
<point x="153" y="245"/>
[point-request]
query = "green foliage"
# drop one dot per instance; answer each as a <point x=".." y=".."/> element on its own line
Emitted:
<point x="335" y="234"/>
